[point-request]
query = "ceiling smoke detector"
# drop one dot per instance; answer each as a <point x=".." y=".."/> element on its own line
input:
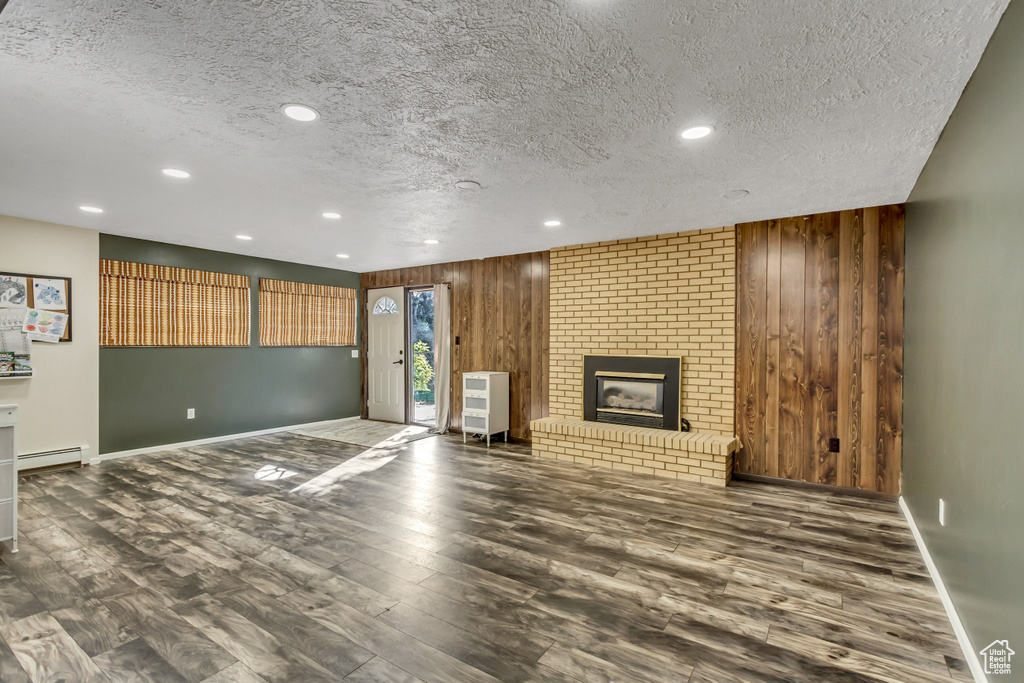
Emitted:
<point x="468" y="185"/>
<point x="736" y="194"/>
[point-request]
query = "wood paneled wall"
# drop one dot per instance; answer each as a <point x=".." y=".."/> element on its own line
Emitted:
<point x="819" y="347"/>
<point x="500" y="315"/>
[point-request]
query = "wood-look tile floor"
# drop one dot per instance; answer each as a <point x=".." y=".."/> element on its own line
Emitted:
<point x="289" y="558"/>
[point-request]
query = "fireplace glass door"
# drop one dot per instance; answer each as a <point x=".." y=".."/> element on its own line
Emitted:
<point x="636" y="400"/>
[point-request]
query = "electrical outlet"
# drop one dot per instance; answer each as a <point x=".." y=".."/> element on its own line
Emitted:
<point x="833" y="445"/>
<point x="190" y="414"/>
<point x="942" y="512"/>
<point x="355" y="353"/>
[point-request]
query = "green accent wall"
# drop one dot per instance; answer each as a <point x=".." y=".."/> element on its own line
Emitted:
<point x="145" y="392"/>
<point x="964" y="347"/>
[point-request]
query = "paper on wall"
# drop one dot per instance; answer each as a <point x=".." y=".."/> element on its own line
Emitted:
<point x="12" y="318"/>
<point x="16" y="342"/>
<point x="49" y="294"/>
<point x="13" y="291"/>
<point x="45" y="326"/>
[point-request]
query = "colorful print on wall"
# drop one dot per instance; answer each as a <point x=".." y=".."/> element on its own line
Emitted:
<point x="13" y="291"/>
<point x="49" y="294"/>
<point x="45" y="326"/>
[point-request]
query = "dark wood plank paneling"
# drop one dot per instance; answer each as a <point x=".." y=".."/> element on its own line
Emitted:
<point x="820" y="296"/>
<point x="869" y="360"/>
<point x="751" y="354"/>
<point x="819" y="347"/>
<point x="792" y="380"/>
<point x="851" y="302"/>
<point x="500" y="315"/>
<point x="772" y="362"/>
<point x="890" y="344"/>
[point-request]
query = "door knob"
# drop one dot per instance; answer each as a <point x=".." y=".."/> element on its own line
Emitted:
<point x="398" y="362"/>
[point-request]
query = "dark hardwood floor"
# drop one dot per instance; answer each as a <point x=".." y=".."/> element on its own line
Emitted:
<point x="286" y="558"/>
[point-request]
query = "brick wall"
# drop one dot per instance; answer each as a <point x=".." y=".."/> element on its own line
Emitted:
<point x="664" y="295"/>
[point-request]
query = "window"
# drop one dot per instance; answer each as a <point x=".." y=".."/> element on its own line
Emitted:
<point x="147" y="305"/>
<point x="301" y="314"/>
<point x="385" y="306"/>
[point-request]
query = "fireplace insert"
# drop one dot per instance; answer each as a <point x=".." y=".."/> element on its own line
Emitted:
<point x="639" y="391"/>
<point x="630" y="398"/>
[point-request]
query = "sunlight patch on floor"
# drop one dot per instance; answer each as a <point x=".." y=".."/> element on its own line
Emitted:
<point x="272" y="473"/>
<point x="369" y="460"/>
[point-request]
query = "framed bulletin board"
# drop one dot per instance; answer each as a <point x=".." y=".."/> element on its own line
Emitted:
<point x="43" y="293"/>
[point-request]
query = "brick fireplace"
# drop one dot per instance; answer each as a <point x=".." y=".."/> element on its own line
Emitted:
<point x="636" y="391"/>
<point x="667" y="296"/>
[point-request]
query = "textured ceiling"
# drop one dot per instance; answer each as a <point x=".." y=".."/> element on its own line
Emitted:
<point x="560" y="109"/>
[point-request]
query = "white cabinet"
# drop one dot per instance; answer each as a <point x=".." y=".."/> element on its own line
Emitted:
<point x="9" y="476"/>
<point x="484" y="404"/>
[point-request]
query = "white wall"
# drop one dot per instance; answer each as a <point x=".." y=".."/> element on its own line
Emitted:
<point x="59" y="405"/>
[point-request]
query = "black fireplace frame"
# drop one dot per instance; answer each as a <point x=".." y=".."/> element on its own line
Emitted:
<point x="669" y="366"/>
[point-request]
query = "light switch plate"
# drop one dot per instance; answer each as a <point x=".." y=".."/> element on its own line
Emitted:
<point x="190" y="414"/>
<point x="355" y="353"/>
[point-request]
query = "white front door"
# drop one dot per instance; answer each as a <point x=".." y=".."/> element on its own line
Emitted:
<point x="385" y="357"/>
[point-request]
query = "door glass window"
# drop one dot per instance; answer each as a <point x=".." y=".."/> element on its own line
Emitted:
<point x="384" y="306"/>
<point x="421" y="319"/>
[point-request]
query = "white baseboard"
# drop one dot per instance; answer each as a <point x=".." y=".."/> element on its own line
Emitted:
<point x="200" y="442"/>
<point x="970" y="655"/>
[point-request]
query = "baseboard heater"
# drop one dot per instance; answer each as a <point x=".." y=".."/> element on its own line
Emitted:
<point x="63" y="456"/>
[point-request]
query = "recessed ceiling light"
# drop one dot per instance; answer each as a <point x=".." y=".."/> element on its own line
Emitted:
<point x="91" y="209"/>
<point x="430" y="242"/>
<point x="342" y="255"/>
<point x="552" y="224"/>
<point x="696" y="132"/>
<point x="300" y="112"/>
<point x="331" y="214"/>
<point x="736" y="194"/>
<point x="468" y="185"/>
<point x="176" y="173"/>
<point x="243" y="237"/>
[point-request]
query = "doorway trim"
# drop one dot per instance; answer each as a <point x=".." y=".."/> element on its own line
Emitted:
<point x="364" y="338"/>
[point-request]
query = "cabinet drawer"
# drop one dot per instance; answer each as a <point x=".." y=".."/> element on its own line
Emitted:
<point x="470" y="403"/>
<point x="475" y="423"/>
<point x="7" y="480"/>
<point x="7" y="520"/>
<point x="475" y="384"/>
<point x="6" y="443"/>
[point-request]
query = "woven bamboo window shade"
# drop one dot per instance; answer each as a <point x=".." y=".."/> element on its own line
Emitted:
<point x="146" y="305"/>
<point x="299" y="314"/>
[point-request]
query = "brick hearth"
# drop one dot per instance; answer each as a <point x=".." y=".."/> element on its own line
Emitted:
<point x="692" y="456"/>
